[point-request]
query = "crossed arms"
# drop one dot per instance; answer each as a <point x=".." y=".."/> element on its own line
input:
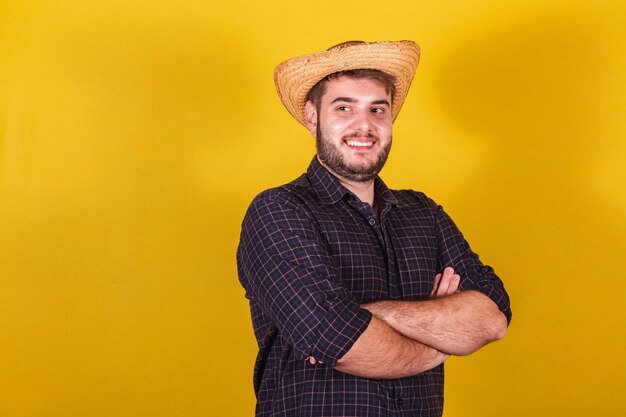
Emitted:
<point x="408" y="337"/>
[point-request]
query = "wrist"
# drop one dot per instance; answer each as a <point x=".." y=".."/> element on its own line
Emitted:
<point x="380" y="309"/>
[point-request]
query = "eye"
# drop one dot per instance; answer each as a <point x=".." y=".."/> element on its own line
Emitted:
<point x="378" y="110"/>
<point x="343" y="108"/>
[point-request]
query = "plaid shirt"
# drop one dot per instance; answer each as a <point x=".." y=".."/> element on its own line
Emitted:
<point x="310" y="253"/>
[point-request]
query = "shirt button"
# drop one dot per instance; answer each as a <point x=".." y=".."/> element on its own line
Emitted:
<point x="372" y="222"/>
<point x="400" y="402"/>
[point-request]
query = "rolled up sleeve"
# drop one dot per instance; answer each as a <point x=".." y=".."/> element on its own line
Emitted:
<point x="287" y="271"/>
<point x="455" y="251"/>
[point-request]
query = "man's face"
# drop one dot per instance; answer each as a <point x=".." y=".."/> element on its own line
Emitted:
<point x="352" y="127"/>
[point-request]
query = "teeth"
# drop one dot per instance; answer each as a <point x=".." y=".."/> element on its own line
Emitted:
<point x="355" y="143"/>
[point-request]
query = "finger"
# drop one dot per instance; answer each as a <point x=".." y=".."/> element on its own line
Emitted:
<point x="442" y="291"/>
<point x="454" y="284"/>
<point x="435" y="285"/>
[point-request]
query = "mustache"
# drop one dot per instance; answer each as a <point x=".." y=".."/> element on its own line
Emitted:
<point x="358" y="134"/>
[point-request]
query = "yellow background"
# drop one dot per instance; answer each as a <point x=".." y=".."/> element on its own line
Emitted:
<point x="133" y="135"/>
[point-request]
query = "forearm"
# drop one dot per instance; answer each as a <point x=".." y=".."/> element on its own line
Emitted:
<point x="458" y="324"/>
<point x="382" y="352"/>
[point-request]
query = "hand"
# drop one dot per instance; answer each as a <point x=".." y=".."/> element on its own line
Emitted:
<point x="312" y="360"/>
<point x="446" y="283"/>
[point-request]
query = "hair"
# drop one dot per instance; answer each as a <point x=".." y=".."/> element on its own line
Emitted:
<point x="387" y="80"/>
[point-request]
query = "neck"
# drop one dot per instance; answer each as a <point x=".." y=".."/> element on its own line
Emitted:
<point x="363" y="190"/>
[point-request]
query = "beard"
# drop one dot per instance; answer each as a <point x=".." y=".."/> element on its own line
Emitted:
<point x="332" y="158"/>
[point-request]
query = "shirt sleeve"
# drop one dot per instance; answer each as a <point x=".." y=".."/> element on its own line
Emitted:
<point x="454" y="251"/>
<point x="287" y="270"/>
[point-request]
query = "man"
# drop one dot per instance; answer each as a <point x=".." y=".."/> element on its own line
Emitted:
<point x="358" y="293"/>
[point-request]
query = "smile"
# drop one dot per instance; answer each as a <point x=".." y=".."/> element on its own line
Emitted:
<point x="359" y="144"/>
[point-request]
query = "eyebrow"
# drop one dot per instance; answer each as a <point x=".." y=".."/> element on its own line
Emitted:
<point x="346" y="99"/>
<point x="353" y="100"/>
<point x="381" y="102"/>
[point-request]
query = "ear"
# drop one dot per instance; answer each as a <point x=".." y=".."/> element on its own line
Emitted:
<point x="311" y="117"/>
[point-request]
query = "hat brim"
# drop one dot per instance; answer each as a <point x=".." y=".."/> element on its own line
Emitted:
<point x="295" y="77"/>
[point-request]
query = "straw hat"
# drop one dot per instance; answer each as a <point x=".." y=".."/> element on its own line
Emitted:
<point x="294" y="78"/>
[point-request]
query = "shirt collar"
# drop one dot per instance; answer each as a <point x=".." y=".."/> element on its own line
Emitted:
<point x="329" y="190"/>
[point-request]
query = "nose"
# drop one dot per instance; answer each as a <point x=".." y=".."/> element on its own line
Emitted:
<point x="362" y="121"/>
